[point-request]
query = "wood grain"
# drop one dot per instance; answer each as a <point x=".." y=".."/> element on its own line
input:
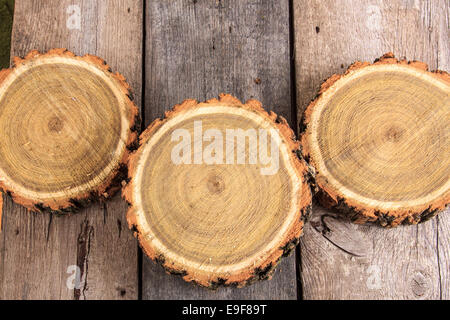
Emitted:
<point x="379" y="144"/>
<point x="443" y="245"/>
<point x="198" y="49"/>
<point x="66" y="141"/>
<point x="190" y="215"/>
<point x="38" y="251"/>
<point x="342" y="261"/>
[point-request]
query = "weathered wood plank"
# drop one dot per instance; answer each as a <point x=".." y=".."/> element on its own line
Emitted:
<point x="366" y="262"/>
<point x="198" y="49"/>
<point x="39" y="252"/>
<point x="443" y="244"/>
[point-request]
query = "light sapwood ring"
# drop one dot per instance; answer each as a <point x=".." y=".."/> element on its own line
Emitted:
<point x="378" y="137"/>
<point x="68" y="125"/>
<point x="216" y="224"/>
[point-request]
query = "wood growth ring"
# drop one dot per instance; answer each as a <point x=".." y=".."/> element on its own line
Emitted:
<point x="218" y="222"/>
<point x="379" y="139"/>
<point x="67" y="126"/>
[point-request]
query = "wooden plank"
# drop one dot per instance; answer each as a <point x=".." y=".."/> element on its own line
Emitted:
<point x="443" y="244"/>
<point x="347" y="261"/>
<point x="198" y="49"/>
<point x="40" y="252"/>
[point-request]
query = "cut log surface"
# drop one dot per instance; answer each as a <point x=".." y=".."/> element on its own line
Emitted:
<point x="67" y="126"/>
<point x="378" y="137"/>
<point x="213" y="218"/>
<point x="197" y="49"/>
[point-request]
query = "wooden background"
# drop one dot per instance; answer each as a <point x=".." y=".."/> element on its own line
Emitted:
<point x="275" y="51"/>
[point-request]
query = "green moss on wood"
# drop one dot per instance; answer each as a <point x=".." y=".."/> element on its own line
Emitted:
<point x="6" y="18"/>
